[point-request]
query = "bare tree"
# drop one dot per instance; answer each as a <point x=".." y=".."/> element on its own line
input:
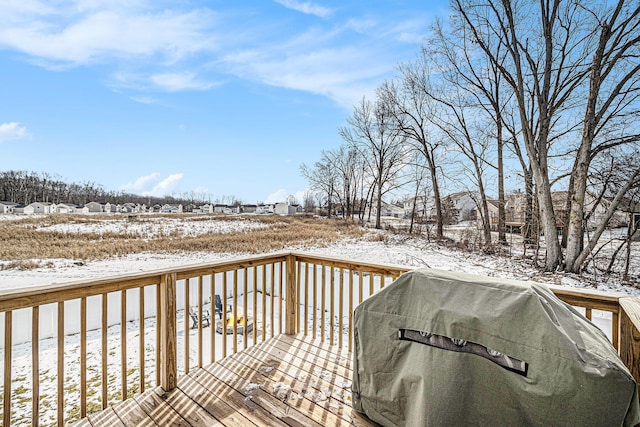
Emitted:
<point x="408" y="102"/>
<point x="453" y="116"/>
<point x="547" y="48"/>
<point x="459" y="64"/>
<point x="371" y="130"/>
<point x="322" y="178"/>
<point x="611" y="106"/>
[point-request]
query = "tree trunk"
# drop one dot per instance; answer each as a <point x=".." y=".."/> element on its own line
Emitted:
<point x="502" y="236"/>
<point x="378" y="205"/>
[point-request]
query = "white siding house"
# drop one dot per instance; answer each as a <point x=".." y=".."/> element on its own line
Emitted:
<point x="37" y="207"/>
<point x="94" y="207"/>
<point x="284" y="209"/>
<point x="7" y="207"/>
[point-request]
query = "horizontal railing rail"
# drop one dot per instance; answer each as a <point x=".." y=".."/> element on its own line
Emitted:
<point x="72" y="349"/>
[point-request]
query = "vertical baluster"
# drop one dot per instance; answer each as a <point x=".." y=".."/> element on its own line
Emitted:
<point x="35" y="366"/>
<point x="187" y="318"/>
<point x="615" y="329"/>
<point x="264" y="303"/>
<point x="105" y="379"/>
<point x="371" y="288"/>
<point x="587" y="313"/>
<point x="223" y="298"/>
<point x="298" y="296"/>
<point x="323" y="286"/>
<point x="315" y="299"/>
<point x="306" y="297"/>
<point x="83" y="357"/>
<point x="224" y="315"/>
<point x="245" y="301"/>
<point x="235" y="311"/>
<point x="280" y="310"/>
<point x="382" y="279"/>
<point x="255" y="301"/>
<point x="6" y="403"/>
<point x="141" y="343"/>
<point x="61" y="363"/>
<point x="350" y="309"/>
<point x="158" y="332"/>
<point x="272" y="289"/>
<point x="332" y="303"/>
<point x="340" y="308"/>
<point x="123" y="343"/>
<point x="360" y="285"/>
<point x="200" y="321"/>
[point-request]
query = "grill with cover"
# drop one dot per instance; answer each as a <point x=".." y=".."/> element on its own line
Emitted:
<point x="441" y="348"/>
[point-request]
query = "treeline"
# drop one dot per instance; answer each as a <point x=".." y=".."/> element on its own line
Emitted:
<point x="24" y="187"/>
<point x="549" y="88"/>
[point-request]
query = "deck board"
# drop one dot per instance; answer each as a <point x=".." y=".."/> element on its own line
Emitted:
<point x="288" y="380"/>
<point x="130" y="413"/>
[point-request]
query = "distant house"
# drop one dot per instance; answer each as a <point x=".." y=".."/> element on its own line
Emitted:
<point x="128" y="208"/>
<point x="425" y="208"/>
<point x="38" y="207"/>
<point x="94" y="207"/>
<point x="156" y="208"/>
<point x="265" y="209"/>
<point x="389" y="210"/>
<point x="66" y="208"/>
<point x="218" y="208"/>
<point x="465" y="203"/>
<point x="171" y="208"/>
<point x="7" y="207"/>
<point x="249" y="208"/>
<point x="207" y="209"/>
<point x="284" y="209"/>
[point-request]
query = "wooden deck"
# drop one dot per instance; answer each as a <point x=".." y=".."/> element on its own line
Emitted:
<point x="289" y="380"/>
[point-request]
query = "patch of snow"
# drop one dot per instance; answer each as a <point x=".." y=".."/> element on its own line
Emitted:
<point x="156" y="227"/>
<point x="251" y="387"/>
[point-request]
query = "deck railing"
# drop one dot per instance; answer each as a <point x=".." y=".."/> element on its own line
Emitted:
<point x="72" y="349"/>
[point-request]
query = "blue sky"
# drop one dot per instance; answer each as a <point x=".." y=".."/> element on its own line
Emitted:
<point x="167" y="97"/>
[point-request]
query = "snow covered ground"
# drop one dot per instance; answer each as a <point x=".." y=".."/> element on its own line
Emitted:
<point x="153" y="227"/>
<point x="393" y="249"/>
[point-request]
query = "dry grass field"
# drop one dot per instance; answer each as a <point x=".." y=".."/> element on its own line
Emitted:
<point x="28" y="242"/>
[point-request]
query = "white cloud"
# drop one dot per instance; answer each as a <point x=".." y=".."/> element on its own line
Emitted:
<point x="173" y="82"/>
<point x="277" y="197"/>
<point x="12" y="131"/>
<point x="141" y="183"/>
<point x="77" y="35"/>
<point x="306" y="7"/>
<point x="343" y="74"/>
<point x="153" y="184"/>
<point x="166" y="186"/>
<point x="144" y="99"/>
<point x="282" y="194"/>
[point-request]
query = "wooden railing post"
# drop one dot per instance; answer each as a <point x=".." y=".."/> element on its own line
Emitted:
<point x="168" y="333"/>
<point x="290" y="292"/>
<point x="630" y="335"/>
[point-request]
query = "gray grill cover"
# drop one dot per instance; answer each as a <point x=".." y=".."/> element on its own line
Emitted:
<point x="461" y="334"/>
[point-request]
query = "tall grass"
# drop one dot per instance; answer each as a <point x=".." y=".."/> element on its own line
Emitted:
<point x="24" y="240"/>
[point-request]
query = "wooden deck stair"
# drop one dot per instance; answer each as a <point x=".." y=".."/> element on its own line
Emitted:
<point x="289" y="380"/>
